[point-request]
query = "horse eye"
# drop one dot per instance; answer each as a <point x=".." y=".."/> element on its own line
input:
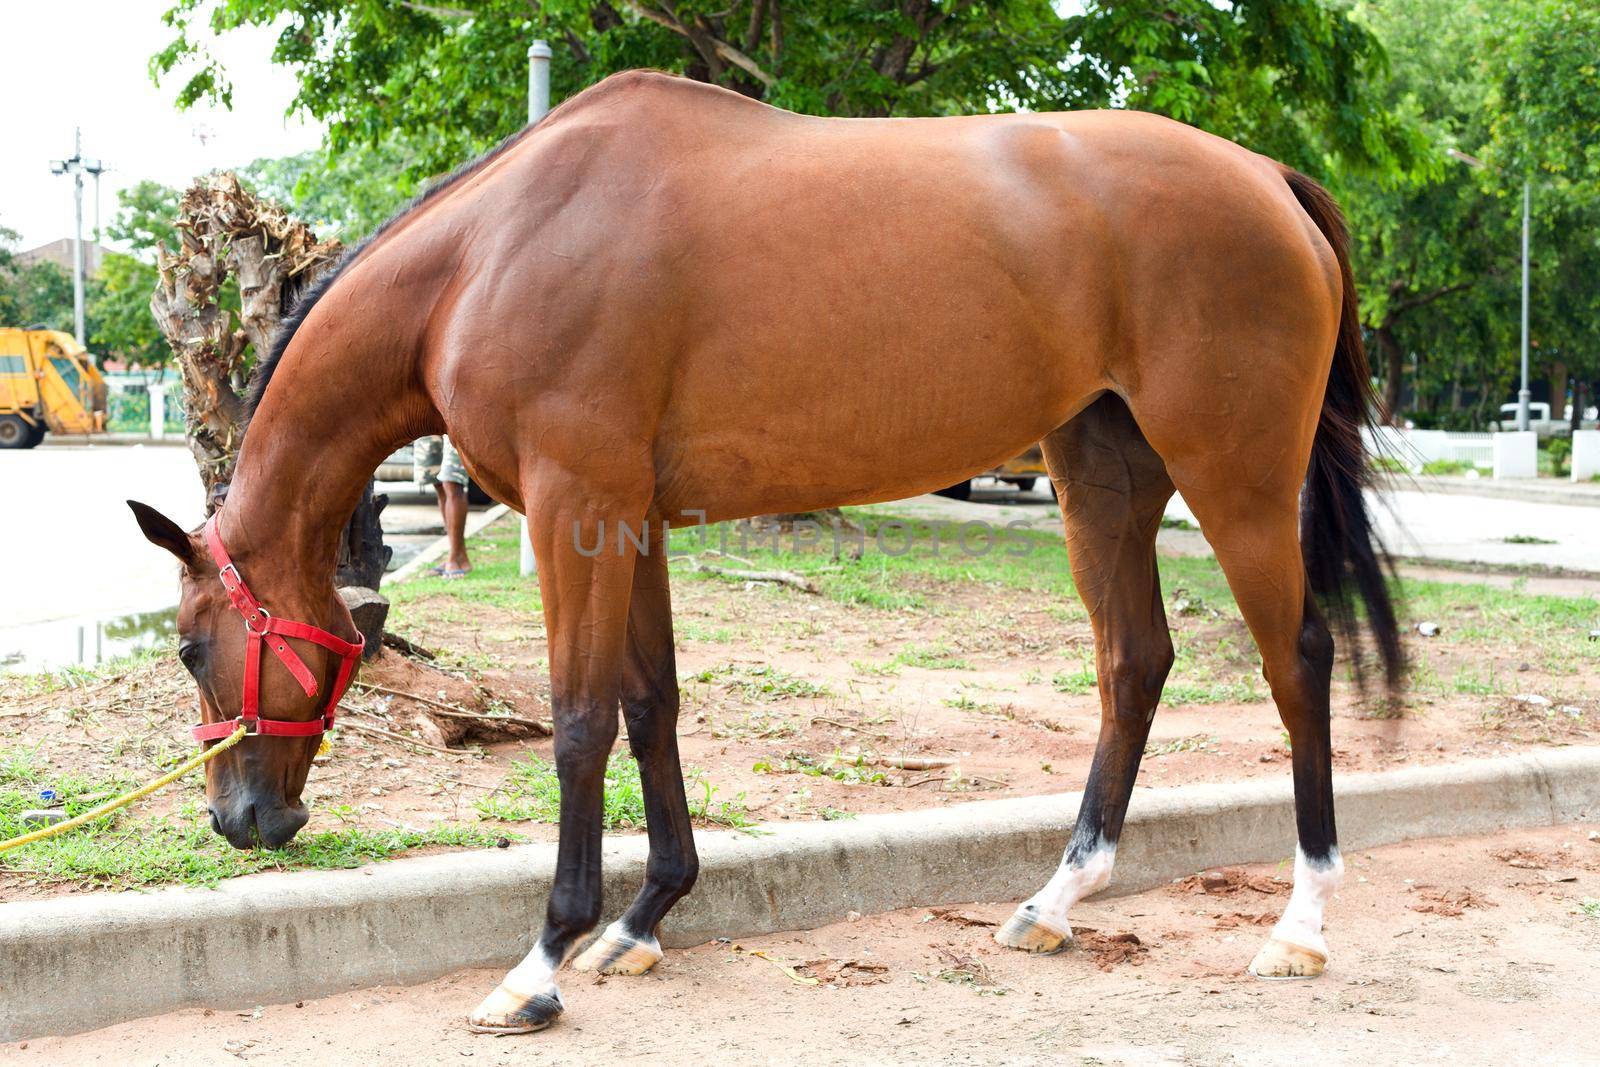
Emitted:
<point x="192" y="655"/>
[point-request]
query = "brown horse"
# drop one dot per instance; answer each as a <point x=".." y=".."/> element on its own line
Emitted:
<point x="668" y="303"/>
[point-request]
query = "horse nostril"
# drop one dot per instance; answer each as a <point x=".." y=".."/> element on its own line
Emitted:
<point x="216" y="823"/>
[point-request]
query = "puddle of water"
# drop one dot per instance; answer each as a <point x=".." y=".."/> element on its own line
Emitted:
<point x="84" y="642"/>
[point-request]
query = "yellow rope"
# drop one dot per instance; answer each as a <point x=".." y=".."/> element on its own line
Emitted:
<point x="199" y="759"/>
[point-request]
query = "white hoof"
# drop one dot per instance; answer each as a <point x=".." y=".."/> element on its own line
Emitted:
<point x="506" y="1011"/>
<point x="1026" y="932"/>
<point x="1283" y="959"/>
<point x="619" y="952"/>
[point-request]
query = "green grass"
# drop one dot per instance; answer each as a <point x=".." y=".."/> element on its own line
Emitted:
<point x="760" y="681"/>
<point x="1192" y="743"/>
<point x="935" y="657"/>
<point x="495" y="580"/>
<point x="1075" y="683"/>
<point x="902" y="557"/>
<point x="532" y="793"/>
<point x="124" y="851"/>
<point x="851" y="770"/>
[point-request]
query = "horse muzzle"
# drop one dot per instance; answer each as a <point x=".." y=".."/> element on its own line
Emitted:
<point x="271" y="823"/>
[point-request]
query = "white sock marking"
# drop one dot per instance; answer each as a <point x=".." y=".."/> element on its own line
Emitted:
<point x="1070" y="884"/>
<point x="1314" y="885"/>
<point x="535" y="974"/>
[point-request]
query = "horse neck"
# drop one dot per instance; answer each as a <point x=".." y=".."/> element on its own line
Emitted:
<point x="335" y="408"/>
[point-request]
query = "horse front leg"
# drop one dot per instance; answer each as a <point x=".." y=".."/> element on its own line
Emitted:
<point x="631" y="945"/>
<point x="586" y="608"/>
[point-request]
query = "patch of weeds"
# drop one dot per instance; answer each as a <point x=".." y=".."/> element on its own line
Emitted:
<point x="695" y="631"/>
<point x="965" y="971"/>
<point x="886" y="669"/>
<point x="1172" y="522"/>
<point x="1240" y="691"/>
<point x="937" y="657"/>
<point x="1528" y="539"/>
<point x="835" y="815"/>
<point x="964" y="701"/>
<point x="1192" y="743"/>
<point x="1470" y="683"/>
<point x="761" y="681"/>
<point x="1076" y="683"/>
<point x="758" y="725"/>
<point x="532" y="793"/>
<point x="1589" y="908"/>
<point x="851" y="770"/>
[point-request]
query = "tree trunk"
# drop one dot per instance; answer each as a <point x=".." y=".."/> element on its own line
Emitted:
<point x="1394" y="368"/>
<point x="273" y="257"/>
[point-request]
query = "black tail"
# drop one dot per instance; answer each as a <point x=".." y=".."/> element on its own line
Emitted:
<point x="1336" y="536"/>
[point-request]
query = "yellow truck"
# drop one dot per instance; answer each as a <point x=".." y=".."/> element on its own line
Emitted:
<point x="47" y="383"/>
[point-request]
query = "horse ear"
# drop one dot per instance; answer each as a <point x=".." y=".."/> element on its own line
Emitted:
<point x="162" y="531"/>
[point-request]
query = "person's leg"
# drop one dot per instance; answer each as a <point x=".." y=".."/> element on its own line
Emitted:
<point x="453" y="506"/>
<point x="435" y="462"/>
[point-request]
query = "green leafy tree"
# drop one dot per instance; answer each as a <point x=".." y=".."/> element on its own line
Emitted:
<point x="145" y="215"/>
<point x="1438" y="255"/>
<point x="348" y="194"/>
<point x="448" y="79"/>
<point x="1544" y="59"/>
<point x="119" y="320"/>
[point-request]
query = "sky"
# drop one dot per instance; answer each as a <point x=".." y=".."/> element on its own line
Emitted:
<point x="85" y="63"/>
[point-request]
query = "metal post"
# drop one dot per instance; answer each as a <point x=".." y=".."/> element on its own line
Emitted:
<point x="538" y="80"/>
<point x="1523" y="395"/>
<point x="538" y="104"/>
<point x="77" y="240"/>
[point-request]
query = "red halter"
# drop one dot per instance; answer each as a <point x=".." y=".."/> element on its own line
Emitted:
<point x="261" y="626"/>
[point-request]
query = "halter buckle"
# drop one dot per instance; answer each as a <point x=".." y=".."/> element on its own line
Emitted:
<point x="263" y="612"/>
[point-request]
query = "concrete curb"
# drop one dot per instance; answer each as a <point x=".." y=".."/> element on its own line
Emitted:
<point x="77" y="963"/>
<point x="475" y="523"/>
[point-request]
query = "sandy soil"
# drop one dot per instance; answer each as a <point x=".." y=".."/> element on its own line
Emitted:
<point x="1458" y="951"/>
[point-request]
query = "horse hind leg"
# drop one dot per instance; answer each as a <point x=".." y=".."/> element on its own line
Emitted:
<point x="630" y="946"/>
<point x="1113" y="490"/>
<point x="1253" y="527"/>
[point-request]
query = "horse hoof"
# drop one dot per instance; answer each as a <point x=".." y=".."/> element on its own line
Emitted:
<point x="1279" y="960"/>
<point x="618" y="952"/>
<point x="1024" y="931"/>
<point x="505" y="1011"/>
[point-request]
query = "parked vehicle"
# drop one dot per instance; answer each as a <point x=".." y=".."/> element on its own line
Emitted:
<point x="47" y="383"/>
<point x="1023" y="472"/>
<point x="1541" y="422"/>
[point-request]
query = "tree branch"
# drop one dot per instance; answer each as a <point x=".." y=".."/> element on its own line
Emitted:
<point x="712" y="49"/>
<point x="1421" y="299"/>
<point x="437" y="12"/>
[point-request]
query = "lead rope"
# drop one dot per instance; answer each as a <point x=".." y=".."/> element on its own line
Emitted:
<point x="199" y="759"/>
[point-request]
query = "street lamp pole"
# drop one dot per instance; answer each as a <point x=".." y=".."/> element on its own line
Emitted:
<point x="77" y="166"/>
<point x="77" y="235"/>
<point x="1523" y="395"/>
<point x="538" y="104"/>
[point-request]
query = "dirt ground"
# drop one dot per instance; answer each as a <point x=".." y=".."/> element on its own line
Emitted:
<point x="1461" y="951"/>
<point x="800" y="706"/>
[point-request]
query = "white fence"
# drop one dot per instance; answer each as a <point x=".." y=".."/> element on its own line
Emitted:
<point x="1416" y="448"/>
